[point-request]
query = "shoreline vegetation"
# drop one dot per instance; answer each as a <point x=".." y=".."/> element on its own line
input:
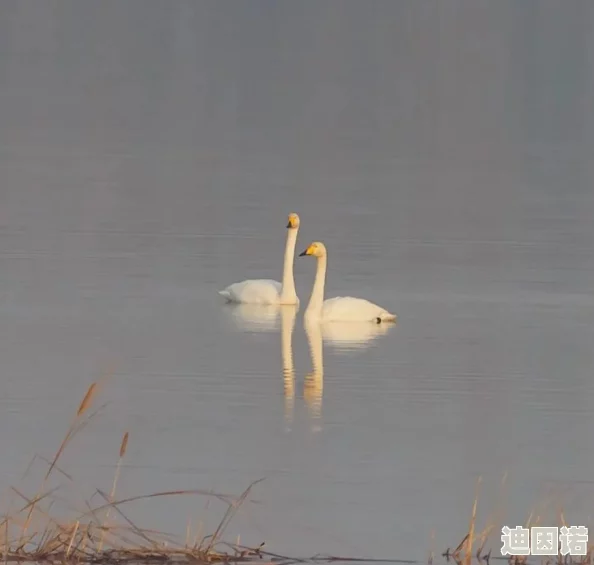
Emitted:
<point x="473" y="547"/>
<point x="104" y="534"/>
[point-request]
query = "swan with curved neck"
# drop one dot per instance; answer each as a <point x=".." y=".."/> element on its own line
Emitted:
<point x="268" y="291"/>
<point x="341" y="308"/>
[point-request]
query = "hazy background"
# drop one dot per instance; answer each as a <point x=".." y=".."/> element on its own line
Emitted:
<point x="149" y="155"/>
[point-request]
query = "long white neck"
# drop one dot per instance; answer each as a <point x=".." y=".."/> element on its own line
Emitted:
<point x="316" y="300"/>
<point x="288" y="289"/>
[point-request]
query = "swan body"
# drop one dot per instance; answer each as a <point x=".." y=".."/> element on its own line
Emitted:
<point x="268" y="291"/>
<point x="349" y="309"/>
<point x="253" y="291"/>
<point x="341" y="308"/>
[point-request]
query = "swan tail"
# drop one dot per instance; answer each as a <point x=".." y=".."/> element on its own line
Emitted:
<point x="386" y="317"/>
<point x="225" y="294"/>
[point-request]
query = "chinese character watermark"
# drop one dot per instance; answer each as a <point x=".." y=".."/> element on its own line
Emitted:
<point x="544" y="540"/>
<point x="574" y="540"/>
<point x="516" y="541"/>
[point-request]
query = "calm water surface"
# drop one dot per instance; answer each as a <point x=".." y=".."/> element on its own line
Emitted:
<point x="149" y="155"/>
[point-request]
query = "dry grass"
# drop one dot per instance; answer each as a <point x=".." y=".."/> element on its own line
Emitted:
<point x="104" y="533"/>
<point x="32" y="533"/>
<point x="463" y="552"/>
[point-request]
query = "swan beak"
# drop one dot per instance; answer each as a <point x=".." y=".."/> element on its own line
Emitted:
<point x="303" y="254"/>
<point x="293" y="221"/>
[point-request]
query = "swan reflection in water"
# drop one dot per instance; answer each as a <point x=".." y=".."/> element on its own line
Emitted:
<point x="288" y="315"/>
<point x="265" y="318"/>
<point x="349" y="336"/>
<point x="341" y="336"/>
<point x="254" y="317"/>
<point x="313" y="384"/>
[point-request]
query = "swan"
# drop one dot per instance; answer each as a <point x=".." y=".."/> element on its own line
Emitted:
<point x="267" y="291"/>
<point x="341" y="308"/>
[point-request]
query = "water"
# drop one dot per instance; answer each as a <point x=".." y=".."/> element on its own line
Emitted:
<point x="149" y="155"/>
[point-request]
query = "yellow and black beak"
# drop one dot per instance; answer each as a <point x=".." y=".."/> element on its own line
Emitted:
<point x="293" y="222"/>
<point x="304" y="253"/>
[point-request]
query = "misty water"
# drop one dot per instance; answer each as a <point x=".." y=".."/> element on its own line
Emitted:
<point x="150" y="153"/>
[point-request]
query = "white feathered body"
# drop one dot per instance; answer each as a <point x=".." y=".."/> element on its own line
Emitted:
<point x="253" y="291"/>
<point x="349" y="309"/>
<point x="268" y="291"/>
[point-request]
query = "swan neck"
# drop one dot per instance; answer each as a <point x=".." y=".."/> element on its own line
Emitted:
<point x="314" y="309"/>
<point x="288" y="288"/>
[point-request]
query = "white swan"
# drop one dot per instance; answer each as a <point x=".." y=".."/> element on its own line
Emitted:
<point x="267" y="291"/>
<point x="341" y="308"/>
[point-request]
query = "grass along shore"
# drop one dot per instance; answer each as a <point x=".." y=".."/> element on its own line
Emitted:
<point x="104" y="534"/>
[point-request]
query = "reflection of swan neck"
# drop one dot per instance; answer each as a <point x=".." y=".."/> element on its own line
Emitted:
<point x="314" y="382"/>
<point x="287" y="325"/>
<point x="314" y="337"/>
<point x="288" y="289"/>
<point x="314" y="308"/>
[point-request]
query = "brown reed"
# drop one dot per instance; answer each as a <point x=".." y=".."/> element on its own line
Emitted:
<point x="45" y="537"/>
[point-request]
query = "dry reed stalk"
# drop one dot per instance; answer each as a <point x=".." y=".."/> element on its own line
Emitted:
<point x="136" y="529"/>
<point x="74" y="530"/>
<point x="123" y="448"/>
<point x="200" y="528"/>
<point x="493" y="519"/>
<point x="198" y="535"/>
<point x="6" y="541"/>
<point x="72" y="430"/>
<point x="188" y="530"/>
<point x="483" y="537"/>
<point x="431" y="542"/>
<point x="468" y="556"/>
<point x="83" y="407"/>
<point x="231" y="511"/>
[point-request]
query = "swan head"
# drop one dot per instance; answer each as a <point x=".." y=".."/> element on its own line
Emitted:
<point x="317" y="249"/>
<point x="293" y="222"/>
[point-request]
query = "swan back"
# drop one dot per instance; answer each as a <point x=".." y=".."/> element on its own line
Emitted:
<point x="254" y="291"/>
<point x="347" y="308"/>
